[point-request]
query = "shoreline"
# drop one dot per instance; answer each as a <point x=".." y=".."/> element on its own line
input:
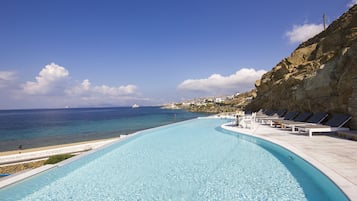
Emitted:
<point x="49" y="141"/>
<point x="31" y="154"/>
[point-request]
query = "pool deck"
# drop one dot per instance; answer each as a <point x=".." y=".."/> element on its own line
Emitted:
<point x="335" y="157"/>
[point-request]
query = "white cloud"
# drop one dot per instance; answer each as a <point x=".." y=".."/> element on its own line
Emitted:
<point x="301" y="33"/>
<point x="85" y="85"/>
<point x="7" y="78"/>
<point x="51" y="79"/>
<point x="91" y="95"/>
<point x="53" y="87"/>
<point x="217" y="84"/>
<point x="7" y="75"/>
<point x="115" y="91"/>
<point x="79" y="90"/>
<point x="87" y="94"/>
<point x="352" y="3"/>
<point x="86" y="89"/>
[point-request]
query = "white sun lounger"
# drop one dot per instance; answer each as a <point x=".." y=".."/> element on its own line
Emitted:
<point x="332" y="125"/>
<point x="316" y="118"/>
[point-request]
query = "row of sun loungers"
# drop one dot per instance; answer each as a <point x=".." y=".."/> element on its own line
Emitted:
<point x="332" y="125"/>
<point x="306" y="122"/>
<point x="304" y="119"/>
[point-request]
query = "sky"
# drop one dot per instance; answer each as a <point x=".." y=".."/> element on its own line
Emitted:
<point x="99" y="53"/>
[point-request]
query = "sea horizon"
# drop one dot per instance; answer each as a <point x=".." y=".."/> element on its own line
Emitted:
<point x="79" y="107"/>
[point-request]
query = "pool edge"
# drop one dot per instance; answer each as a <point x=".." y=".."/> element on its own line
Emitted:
<point x="348" y="188"/>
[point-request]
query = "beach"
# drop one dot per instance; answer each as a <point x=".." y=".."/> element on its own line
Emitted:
<point x="13" y="161"/>
<point x="92" y="143"/>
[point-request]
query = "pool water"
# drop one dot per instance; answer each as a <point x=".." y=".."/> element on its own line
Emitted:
<point x="191" y="160"/>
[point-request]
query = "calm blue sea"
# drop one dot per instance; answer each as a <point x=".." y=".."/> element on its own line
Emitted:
<point x="44" y="127"/>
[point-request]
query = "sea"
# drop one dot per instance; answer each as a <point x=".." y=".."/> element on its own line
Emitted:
<point x="23" y="129"/>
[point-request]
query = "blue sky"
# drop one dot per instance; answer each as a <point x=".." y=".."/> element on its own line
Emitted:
<point x="75" y="53"/>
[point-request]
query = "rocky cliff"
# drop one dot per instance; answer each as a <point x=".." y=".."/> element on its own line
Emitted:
<point x="320" y="75"/>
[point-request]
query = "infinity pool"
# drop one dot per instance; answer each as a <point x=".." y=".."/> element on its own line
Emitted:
<point x="191" y="160"/>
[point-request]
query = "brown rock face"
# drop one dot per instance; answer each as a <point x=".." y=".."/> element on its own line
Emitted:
<point x="320" y="75"/>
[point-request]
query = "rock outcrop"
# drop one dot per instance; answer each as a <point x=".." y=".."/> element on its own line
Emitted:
<point x="320" y="75"/>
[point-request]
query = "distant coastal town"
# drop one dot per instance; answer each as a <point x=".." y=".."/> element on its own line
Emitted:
<point x="218" y="104"/>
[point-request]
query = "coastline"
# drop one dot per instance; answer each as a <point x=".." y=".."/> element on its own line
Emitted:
<point x="31" y="161"/>
<point x="31" y="154"/>
<point x="18" y="166"/>
<point x="38" y="143"/>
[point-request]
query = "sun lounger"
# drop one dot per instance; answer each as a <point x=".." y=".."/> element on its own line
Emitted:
<point x="288" y="116"/>
<point x="300" y="118"/>
<point x="260" y="112"/>
<point x="316" y="118"/>
<point x="332" y="125"/>
<point x="270" y="115"/>
<point x="265" y="114"/>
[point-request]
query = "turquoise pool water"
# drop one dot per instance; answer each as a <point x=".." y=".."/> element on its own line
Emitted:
<point x="191" y="160"/>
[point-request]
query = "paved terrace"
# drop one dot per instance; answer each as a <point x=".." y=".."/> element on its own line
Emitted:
<point x="334" y="156"/>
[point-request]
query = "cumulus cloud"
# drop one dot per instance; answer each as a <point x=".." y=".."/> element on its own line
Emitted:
<point x="51" y="79"/>
<point x="86" y="89"/>
<point x="301" y="33"/>
<point x="115" y="91"/>
<point x="352" y="3"/>
<point x="90" y="95"/>
<point x="53" y="87"/>
<point x="6" y="78"/>
<point x="217" y="84"/>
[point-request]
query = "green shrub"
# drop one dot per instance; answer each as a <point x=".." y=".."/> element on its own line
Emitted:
<point x="57" y="158"/>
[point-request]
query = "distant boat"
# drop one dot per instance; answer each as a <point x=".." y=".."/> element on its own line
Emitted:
<point x="135" y="106"/>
